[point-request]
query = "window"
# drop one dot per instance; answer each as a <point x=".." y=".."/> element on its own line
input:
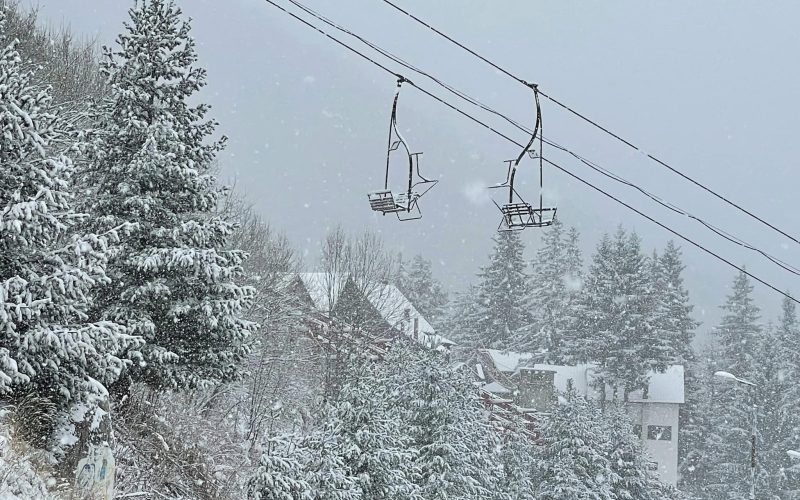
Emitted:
<point x="659" y="432"/>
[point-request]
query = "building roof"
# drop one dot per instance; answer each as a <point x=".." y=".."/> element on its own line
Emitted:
<point x="664" y="387"/>
<point x="323" y="288"/>
<point x="667" y="387"/>
<point x="390" y="303"/>
<point x="496" y="388"/>
<point x="508" y="361"/>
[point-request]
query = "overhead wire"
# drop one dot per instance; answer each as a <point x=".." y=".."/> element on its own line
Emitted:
<point x="591" y="164"/>
<point x="550" y="162"/>
<point x="596" y="124"/>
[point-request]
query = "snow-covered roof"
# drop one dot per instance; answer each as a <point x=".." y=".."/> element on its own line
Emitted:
<point x="390" y="303"/>
<point x="508" y="361"/>
<point x="496" y="388"/>
<point x="323" y="288"/>
<point x="664" y="387"/>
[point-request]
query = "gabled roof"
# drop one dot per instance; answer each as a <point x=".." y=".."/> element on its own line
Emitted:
<point x="392" y="306"/>
<point x="323" y="288"/>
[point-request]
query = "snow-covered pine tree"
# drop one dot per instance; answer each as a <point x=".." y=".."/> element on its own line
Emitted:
<point x="376" y="450"/>
<point x="554" y="284"/>
<point x="574" y="260"/>
<point x="460" y="325"/>
<point x="326" y="470"/>
<point x="616" y="315"/>
<point x="789" y="336"/>
<point x="417" y="283"/>
<point x="573" y="457"/>
<point x="503" y="295"/>
<point x="456" y="446"/>
<point x="673" y="307"/>
<point x="49" y="348"/>
<point x="776" y="399"/>
<point x="739" y="330"/>
<point x="632" y="478"/>
<point x="280" y="474"/>
<point x="737" y="340"/>
<point x="150" y="162"/>
<point x="788" y="341"/>
<point x="694" y="443"/>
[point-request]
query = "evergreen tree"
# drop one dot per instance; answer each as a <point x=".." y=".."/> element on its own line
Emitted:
<point x="279" y="475"/>
<point x="616" y="316"/>
<point x="554" y="285"/>
<point x="503" y="293"/>
<point x="673" y="307"/>
<point x="574" y="260"/>
<point x="632" y="477"/>
<point x="518" y="456"/>
<point x="738" y="340"/>
<point x="461" y="325"/>
<point x="326" y="470"/>
<point x="375" y="448"/>
<point x="419" y="286"/>
<point x="573" y="457"/>
<point x="694" y="451"/>
<point x="738" y="333"/>
<point x="49" y="348"/>
<point x="788" y="394"/>
<point x="456" y="445"/>
<point x="173" y="283"/>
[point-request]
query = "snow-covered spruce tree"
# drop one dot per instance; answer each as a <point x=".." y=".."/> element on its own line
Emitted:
<point x="503" y="293"/>
<point x="632" y="478"/>
<point x="673" y="307"/>
<point x="573" y="458"/>
<point x="737" y="343"/>
<point x="377" y="452"/>
<point x="150" y="162"/>
<point x="48" y="349"/>
<point x="303" y="467"/>
<point x="616" y="316"/>
<point x="518" y="456"/>
<point x="553" y="283"/>
<point x="280" y="473"/>
<point x="776" y="399"/>
<point x="788" y="341"/>
<point x="694" y="452"/>
<point x="417" y="283"/>
<point x="461" y="322"/>
<point x="326" y="470"/>
<point x="739" y="330"/>
<point x="456" y="446"/>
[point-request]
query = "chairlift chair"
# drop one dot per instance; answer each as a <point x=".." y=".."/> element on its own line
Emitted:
<point x="405" y="204"/>
<point x="518" y="214"/>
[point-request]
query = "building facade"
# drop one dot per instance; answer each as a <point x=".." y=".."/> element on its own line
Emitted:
<point x="531" y="385"/>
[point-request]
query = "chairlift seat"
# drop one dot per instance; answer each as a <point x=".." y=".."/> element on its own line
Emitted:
<point x="387" y="203"/>
<point x="518" y="216"/>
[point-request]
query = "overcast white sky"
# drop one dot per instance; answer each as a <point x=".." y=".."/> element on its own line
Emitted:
<point x="710" y="86"/>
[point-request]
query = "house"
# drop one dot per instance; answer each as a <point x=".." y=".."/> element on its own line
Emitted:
<point x="531" y="385"/>
<point x="374" y="310"/>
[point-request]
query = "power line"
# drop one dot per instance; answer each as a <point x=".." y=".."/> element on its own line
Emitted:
<point x="593" y="165"/>
<point x="596" y="124"/>
<point x="555" y="165"/>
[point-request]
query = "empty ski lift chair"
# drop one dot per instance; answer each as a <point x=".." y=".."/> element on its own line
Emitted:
<point x="518" y="214"/>
<point x="404" y="204"/>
